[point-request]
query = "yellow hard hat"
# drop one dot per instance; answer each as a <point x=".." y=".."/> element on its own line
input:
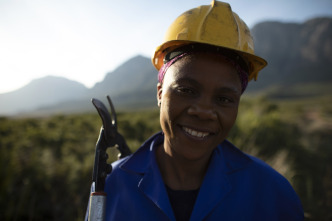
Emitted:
<point x="215" y="25"/>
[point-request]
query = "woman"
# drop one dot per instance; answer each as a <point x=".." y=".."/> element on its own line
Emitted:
<point x="190" y="171"/>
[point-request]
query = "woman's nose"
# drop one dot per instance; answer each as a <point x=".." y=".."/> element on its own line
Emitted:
<point x="203" y="109"/>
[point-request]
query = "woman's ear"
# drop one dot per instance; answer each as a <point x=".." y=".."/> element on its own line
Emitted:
<point x="159" y="93"/>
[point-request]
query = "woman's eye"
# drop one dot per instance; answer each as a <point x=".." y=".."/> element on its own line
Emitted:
<point x="185" y="90"/>
<point x="224" y="100"/>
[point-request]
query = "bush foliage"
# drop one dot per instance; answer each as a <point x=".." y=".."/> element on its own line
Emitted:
<point x="46" y="163"/>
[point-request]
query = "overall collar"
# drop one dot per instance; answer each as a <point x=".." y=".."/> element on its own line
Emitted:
<point x="226" y="159"/>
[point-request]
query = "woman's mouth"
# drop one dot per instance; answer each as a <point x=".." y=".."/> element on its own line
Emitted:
<point x="195" y="133"/>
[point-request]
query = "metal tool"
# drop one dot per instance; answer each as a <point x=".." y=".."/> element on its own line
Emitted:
<point x="108" y="137"/>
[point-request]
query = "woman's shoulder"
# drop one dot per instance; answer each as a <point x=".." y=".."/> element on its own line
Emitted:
<point x="263" y="180"/>
<point x="251" y="164"/>
<point x="140" y="160"/>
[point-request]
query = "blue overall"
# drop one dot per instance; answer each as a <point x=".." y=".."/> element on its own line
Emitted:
<point x="236" y="187"/>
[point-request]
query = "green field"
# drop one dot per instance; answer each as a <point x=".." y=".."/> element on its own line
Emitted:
<point x="46" y="163"/>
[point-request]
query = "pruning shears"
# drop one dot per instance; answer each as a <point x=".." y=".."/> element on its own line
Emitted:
<point x="108" y="137"/>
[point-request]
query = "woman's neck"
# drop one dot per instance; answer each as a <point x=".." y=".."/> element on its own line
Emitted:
<point x="179" y="173"/>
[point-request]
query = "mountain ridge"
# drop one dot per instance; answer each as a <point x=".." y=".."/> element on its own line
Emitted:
<point x="297" y="53"/>
<point x="29" y="97"/>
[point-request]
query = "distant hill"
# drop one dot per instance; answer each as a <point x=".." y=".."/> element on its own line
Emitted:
<point x="134" y="81"/>
<point x="299" y="57"/>
<point x="41" y="92"/>
<point x="132" y="84"/>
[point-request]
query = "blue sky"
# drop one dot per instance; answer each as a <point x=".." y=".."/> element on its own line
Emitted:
<point x="83" y="40"/>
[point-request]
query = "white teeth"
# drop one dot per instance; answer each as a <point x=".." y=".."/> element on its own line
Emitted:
<point x="195" y="133"/>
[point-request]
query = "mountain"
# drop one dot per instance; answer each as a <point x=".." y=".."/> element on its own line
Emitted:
<point x="299" y="57"/>
<point x="40" y="92"/>
<point x="296" y="53"/>
<point x="134" y="81"/>
<point x="132" y="84"/>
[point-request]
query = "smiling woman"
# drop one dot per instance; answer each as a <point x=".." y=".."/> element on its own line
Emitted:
<point x="189" y="171"/>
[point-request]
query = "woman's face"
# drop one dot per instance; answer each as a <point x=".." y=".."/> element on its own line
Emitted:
<point x="199" y="101"/>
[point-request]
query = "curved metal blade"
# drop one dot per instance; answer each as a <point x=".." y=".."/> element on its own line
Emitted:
<point x="105" y="117"/>
<point x="113" y="113"/>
